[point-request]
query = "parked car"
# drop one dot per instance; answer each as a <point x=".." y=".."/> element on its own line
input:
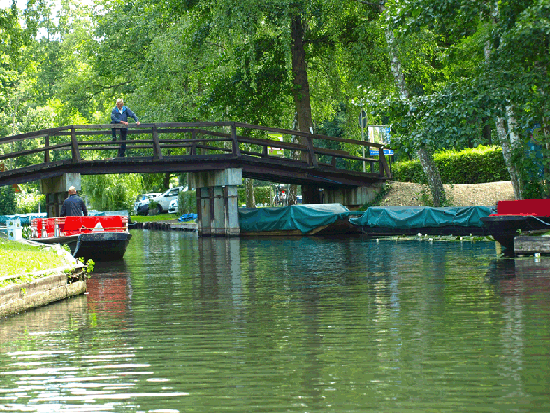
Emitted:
<point x="173" y="208"/>
<point x="164" y="199"/>
<point x="141" y="206"/>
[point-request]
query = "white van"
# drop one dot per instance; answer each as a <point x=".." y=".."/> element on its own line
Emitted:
<point x="164" y="199"/>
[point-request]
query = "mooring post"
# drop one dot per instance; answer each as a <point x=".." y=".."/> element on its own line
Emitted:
<point x="217" y="206"/>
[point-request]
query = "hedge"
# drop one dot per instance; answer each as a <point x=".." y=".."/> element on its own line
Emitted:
<point x="468" y="166"/>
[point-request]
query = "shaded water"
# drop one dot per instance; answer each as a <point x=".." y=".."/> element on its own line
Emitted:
<point x="288" y="325"/>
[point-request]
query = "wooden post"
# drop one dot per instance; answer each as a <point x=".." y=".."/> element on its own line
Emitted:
<point x="236" y="149"/>
<point x="157" y="154"/>
<point x="47" y="152"/>
<point x="193" y="149"/>
<point x="383" y="165"/>
<point x="74" y="147"/>
<point x="312" y="156"/>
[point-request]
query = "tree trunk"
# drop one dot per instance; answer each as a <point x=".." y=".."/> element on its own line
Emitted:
<point x="166" y="180"/>
<point x="507" y="150"/>
<point x="507" y="141"/>
<point x="293" y="188"/>
<point x="302" y="102"/>
<point x="250" y="201"/>
<point x="432" y="173"/>
<point x="424" y="155"/>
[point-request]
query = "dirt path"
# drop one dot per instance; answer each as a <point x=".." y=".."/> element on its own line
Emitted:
<point x="487" y="194"/>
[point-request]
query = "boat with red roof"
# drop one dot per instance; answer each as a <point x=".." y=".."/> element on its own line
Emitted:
<point x="517" y="217"/>
<point x="100" y="238"/>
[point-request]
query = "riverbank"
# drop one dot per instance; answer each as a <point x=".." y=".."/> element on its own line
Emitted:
<point x="413" y="194"/>
<point x="34" y="275"/>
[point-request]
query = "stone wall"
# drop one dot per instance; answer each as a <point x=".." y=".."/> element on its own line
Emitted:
<point x="42" y="291"/>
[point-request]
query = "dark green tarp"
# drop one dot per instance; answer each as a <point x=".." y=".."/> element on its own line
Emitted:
<point x="295" y="217"/>
<point x="422" y="217"/>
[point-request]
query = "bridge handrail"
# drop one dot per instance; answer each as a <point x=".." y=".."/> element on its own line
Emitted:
<point x="202" y="138"/>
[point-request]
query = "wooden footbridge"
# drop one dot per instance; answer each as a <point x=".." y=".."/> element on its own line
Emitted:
<point x="301" y="158"/>
<point x="217" y="154"/>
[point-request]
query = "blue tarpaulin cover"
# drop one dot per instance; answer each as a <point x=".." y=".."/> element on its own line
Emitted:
<point x="187" y="217"/>
<point x="295" y="217"/>
<point x="421" y="217"/>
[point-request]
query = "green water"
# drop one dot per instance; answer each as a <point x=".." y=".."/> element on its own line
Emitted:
<point x="289" y="325"/>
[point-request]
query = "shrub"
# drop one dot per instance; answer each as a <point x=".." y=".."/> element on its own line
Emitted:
<point x="8" y="202"/>
<point x="187" y="202"/>
<point x="262" y="195"/>
<point x="468" y="166"/>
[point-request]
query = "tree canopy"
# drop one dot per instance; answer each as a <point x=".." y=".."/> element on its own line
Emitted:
<point x="475" y="72"/>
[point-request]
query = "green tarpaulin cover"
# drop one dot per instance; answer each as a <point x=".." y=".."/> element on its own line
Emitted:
<point x="25" y="219"/>
<point x="301" y="217"/>
<point x="420" y="217"/>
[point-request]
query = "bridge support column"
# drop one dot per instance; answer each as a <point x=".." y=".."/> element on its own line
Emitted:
<point x="217" y="201"/>
<point x="353" y="198"/>
<point x="56" y="189"/>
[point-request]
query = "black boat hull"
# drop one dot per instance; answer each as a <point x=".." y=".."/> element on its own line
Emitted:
<point x="504" y="228"/>
<point x="98" y="246"/>
<point x="445" y="230"/>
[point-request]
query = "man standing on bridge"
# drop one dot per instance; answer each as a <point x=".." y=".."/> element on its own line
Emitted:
<point x="73" y="206"/>
<point x="120" y="114"/>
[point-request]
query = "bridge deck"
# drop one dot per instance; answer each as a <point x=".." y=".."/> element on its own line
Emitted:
<point x="299" y="158"/>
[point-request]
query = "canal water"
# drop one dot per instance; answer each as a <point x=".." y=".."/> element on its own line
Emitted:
<point x="184" y="324"/>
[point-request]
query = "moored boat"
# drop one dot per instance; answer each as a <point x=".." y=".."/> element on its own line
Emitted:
<point x="296" y="220"/>
<point x="397" y="220"/>
<point x="517" y="217"/>
<point x="100" y="238"/>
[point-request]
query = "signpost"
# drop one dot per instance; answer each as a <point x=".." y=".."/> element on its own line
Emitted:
<point x="363" y="123"/>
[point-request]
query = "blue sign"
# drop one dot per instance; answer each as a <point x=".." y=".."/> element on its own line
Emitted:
<point x="376" y="153"/>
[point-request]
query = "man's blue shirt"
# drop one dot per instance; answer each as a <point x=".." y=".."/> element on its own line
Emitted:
<point x="117" y="117"/>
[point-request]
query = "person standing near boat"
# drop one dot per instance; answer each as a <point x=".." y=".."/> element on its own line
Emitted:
<point x="120" y="114"/>
<point x="73" y="206"/>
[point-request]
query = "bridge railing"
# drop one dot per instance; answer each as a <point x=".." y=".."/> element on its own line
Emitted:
<point x="77" y="143"/>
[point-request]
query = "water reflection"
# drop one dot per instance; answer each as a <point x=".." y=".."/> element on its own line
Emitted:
<point x="356" y="325"/>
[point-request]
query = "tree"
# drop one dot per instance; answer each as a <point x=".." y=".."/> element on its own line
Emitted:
<point x="8" y="203"/>
<point x="503" y="76"/>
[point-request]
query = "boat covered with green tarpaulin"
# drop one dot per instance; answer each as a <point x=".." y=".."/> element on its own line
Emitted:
<point x="407" y="220"/>
<point x="310" y="219"/>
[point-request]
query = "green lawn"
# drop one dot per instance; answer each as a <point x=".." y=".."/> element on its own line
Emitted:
<point x="18" y="258"/>
<point x="152" y="218"/>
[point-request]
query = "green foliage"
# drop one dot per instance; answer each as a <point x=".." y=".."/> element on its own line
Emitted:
<point x="28" y="201"/>
<point x="153" y="207"/>
<point x="262" y="195"/>
<point x="187" y="202"/>
<point x="469" y="166"/>
<point x="112" y="192"/>
<point x="90" y="266"/>
<point x="8" y="202"/>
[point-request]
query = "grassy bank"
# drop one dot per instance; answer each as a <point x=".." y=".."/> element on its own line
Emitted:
<point x="18" y="258"/>
<point x="153" y="218"/>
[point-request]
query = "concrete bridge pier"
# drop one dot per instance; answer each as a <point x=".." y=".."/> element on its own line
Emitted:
<point x="353" y="198"/>
<point x="56" y="190"/>
<point x="217" y="201"/>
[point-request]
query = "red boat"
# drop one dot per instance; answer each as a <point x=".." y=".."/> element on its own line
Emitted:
<point x="100" y="238"/>
<point x="516" y="217"/>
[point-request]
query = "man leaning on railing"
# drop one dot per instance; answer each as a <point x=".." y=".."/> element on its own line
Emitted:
<point x="120" y="114"/>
